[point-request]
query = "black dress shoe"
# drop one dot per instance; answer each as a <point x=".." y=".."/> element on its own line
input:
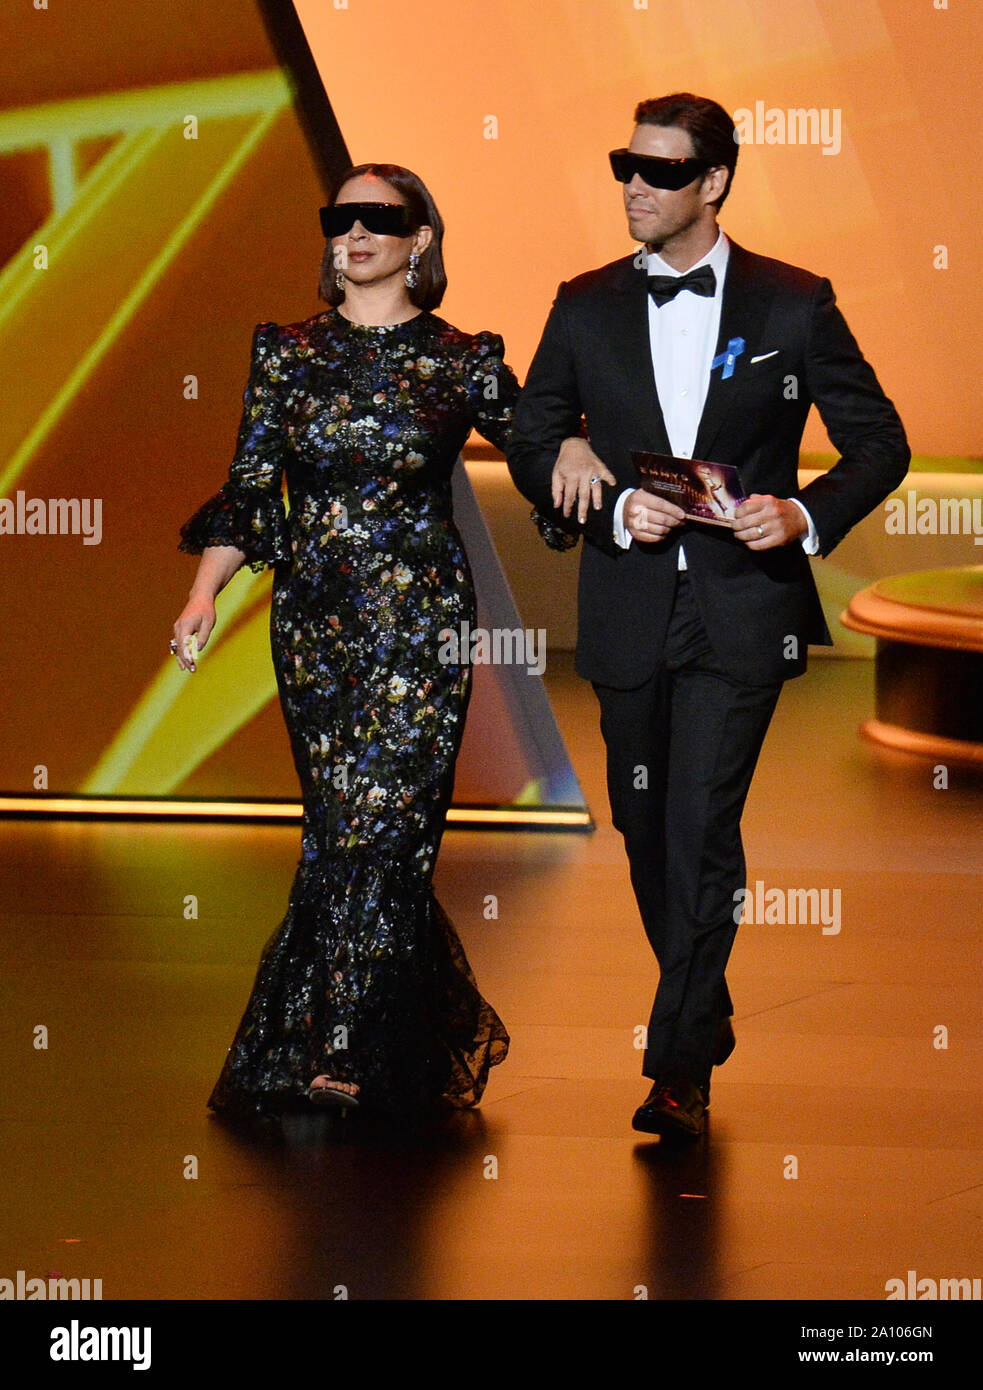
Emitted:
<point x="726" y="1042"/>
<point x="672" y="1108"/>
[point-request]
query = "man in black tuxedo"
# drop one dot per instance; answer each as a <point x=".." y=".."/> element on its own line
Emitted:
<point x="696" y="348"/>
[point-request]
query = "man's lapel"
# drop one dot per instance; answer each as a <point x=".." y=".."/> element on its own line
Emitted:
<point x="742" y="315"/>
<point x="631" y="323"/>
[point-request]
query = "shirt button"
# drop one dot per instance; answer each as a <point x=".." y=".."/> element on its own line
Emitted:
<point x="684" y="331"/>
<point x="684" y="392"/>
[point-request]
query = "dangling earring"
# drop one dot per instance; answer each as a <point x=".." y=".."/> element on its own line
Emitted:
<point x="339" y="280"/>
<point x="411" y="275"/>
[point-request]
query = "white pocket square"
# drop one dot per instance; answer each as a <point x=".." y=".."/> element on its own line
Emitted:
<point x="765" y="355"/>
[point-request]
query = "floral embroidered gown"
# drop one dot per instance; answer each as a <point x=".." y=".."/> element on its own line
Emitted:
<point x="365" y="979"/>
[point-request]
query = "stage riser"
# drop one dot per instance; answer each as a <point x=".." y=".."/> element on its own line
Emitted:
<point x="930" y="690"/>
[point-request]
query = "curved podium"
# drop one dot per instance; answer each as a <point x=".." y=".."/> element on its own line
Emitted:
<point x="929" y="663"/>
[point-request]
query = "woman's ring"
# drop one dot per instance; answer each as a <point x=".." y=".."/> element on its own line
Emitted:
<point x="594" y="480"/>
<point x="761" y="530"/>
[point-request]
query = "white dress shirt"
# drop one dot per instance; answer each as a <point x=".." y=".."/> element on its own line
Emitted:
<point x="683" y="336"/>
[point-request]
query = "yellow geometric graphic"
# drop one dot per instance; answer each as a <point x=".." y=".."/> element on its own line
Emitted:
<point x="128" y="220"/>
<point x="107" y="243"/>
<point x="183" y="718"/>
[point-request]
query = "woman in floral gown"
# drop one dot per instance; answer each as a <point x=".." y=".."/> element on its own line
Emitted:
<point x="364" y="994"/>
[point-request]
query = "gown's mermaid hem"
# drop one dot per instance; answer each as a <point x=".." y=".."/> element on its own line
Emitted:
<point x="423" y="1039"/>
<point x="365" y="979"/>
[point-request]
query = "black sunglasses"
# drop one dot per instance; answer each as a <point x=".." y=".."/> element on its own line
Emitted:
<point x="382" y="219"/>
<point x="655" y="171"/>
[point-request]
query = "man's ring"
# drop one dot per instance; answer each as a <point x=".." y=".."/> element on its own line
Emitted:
<point x="594" y="480"/>
<point x="761" y="530"/>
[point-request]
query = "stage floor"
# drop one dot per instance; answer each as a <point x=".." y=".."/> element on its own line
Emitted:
<point x="546" y="1193"/>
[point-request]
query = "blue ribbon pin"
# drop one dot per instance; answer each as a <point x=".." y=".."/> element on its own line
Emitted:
<point x="727" y="358"/>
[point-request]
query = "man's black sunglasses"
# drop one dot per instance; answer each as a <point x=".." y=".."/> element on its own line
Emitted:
<point x="382" y="219"/>
<point x="655" y="171"/>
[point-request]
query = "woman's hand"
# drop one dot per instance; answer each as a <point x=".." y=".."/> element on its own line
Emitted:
<point x="198" y="618"/>
<point x="575" y="466"/>
<point x="217" y="566"/>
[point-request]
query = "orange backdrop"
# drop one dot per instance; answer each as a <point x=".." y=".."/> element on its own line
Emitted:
<point x="415" y="83"/>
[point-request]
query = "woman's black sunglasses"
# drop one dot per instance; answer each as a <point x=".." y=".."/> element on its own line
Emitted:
<point x="655" y="171"/>
<point x="382" y="219"/>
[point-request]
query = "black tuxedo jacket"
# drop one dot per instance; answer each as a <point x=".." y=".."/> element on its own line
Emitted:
<point x="594" y="361"/>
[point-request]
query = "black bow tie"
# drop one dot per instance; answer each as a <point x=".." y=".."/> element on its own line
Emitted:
<point x="662" y="288"/>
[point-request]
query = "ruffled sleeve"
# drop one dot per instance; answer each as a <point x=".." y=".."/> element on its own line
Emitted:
<point x="248" y="510"/>
<point x="492" y="389"/>
<point x="553" y="534"/>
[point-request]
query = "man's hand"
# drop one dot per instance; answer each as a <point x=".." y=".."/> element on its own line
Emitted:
<point x="650" y="518"/>
<point x="762" y="522"/>
<point x="575" y="466"/>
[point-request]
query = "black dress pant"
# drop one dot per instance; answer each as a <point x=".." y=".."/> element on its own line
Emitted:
<point x="681" y="752"/>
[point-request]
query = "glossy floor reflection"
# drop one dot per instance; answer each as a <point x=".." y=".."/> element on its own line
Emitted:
<point x="114" y="1169"/>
